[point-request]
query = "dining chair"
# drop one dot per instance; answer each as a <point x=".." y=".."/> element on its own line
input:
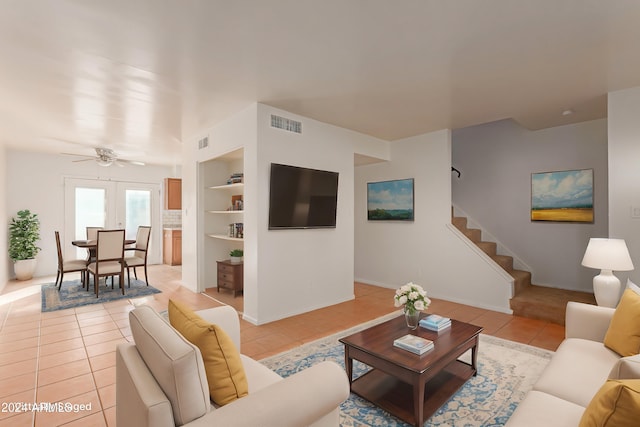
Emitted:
<point x="140" y="251"/>
<point x="92" y="232"/>
<point x="109" y="258"/>
<point x="69" y="266"/>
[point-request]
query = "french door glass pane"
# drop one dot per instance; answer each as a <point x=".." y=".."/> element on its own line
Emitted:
<point x="90" y="210"/>
<point x="138" y="211"/>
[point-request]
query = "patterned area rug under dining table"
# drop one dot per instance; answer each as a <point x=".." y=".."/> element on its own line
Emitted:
<point x="72" y="294"/>
<point x="506" y="372"/>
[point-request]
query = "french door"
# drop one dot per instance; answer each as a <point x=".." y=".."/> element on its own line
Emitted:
<point x="112" y="204"/>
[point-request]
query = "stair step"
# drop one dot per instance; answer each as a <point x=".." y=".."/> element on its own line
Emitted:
<point x="504" y="261"/>
<point x="521" y="280"/>
<point x="460" y="222"/>
<point x="543" y="303"/>
<point x="473" y="234"/>
<point x="489" y="248"/>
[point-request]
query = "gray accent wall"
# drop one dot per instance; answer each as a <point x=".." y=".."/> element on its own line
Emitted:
<point x="496" y="161"/>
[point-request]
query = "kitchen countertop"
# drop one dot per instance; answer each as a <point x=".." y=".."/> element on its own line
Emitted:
<point x="172" y="226"/>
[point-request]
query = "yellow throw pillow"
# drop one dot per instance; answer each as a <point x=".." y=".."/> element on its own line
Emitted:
<point x="616" y="404"/>
<point x="623" y="335"/>
<point x="225" y="373"/>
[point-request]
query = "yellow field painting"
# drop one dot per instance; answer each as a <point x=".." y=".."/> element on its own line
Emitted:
<point x="563" y="215"/>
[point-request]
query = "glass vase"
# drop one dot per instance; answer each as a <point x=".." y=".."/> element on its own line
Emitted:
<point x="412" y="317"/>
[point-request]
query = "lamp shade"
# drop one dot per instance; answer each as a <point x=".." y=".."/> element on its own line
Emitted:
<point x="607" y="254"/>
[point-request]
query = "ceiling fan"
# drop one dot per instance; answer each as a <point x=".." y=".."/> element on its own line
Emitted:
<point x="106" y="157"/>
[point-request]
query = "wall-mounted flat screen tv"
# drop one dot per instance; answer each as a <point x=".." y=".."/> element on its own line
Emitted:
<point x="302" y="198"/>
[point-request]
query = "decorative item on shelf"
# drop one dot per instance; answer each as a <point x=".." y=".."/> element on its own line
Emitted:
<point x="236" y="256"/>
<point x="237" y="203"/>
<point x="607" y="255"/>
<point x="24" y="232"/>
<point x="414" y="299"/>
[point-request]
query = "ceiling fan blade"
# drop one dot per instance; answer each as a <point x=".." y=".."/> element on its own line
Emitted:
<point x="78" y="155"/>
<point x="132" y="162"/>
<point x="83" y="160"/>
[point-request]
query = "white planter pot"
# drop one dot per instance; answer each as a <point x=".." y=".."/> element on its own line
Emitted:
<point x="236" y="259"/>
<point x="24" y="268"/>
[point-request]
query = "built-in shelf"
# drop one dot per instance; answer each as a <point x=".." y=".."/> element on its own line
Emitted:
<point x="222" y="215"/>
<point x="225" y="212"/>
<point x="228" y="186"/>
<point x="224" y="237"/>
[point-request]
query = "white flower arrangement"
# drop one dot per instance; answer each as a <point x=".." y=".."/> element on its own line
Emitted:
<point x="412" y="296"/>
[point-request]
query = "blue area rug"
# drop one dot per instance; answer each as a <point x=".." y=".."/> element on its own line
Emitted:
<point x="506" y="372"/>
<point x="73" y="295"/>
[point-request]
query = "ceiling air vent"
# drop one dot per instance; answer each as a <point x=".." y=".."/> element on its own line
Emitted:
<point x="203" y="143"/>
<point x="286" y="124"/>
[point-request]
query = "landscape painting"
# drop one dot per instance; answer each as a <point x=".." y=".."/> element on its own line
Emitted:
<point x="390" y="200"/>
<point x="565" y="196"/>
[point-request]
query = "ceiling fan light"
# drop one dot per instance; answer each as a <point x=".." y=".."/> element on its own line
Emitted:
<point x="104" y="162"/>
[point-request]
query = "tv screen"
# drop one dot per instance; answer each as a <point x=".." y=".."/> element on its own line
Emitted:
<point x="302" y="198"/>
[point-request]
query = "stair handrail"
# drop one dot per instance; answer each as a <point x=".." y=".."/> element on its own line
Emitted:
<point x="518" y="264"/>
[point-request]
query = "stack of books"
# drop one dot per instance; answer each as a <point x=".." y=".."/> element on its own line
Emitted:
<point x="236" y="230"/>
<point x="434" y="322"/>
<point x="414" y="344"/>
<point x="236" y="178"/>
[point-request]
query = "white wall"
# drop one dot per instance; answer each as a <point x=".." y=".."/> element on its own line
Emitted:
<point x="301" y="270"/>
<point x="35" y="181"/>
<point x="624" y="172"/>
<point x="4" y="220"/>
<point x="426" y="251"/>
<point x="496" y="161"/>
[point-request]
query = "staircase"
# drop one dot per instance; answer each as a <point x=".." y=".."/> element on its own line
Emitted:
<point x="529" y="300"/>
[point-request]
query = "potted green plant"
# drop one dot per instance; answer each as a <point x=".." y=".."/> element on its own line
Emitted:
<point x="24" y="232"/>
<point x="236" y="255"/>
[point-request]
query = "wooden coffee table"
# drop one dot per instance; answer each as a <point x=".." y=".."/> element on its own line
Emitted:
<point x="407" y="385"/>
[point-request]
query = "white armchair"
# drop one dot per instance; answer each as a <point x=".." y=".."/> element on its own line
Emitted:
<point x="160" y="381"/>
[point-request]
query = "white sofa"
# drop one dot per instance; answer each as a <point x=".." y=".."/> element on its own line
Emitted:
<point x="577" y="370"/>
<point x="160" y="381"/>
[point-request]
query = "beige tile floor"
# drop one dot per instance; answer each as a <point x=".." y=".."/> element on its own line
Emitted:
<point x="68" y="356"/>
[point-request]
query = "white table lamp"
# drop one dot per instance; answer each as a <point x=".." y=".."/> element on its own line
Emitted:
<point x="607" y="255"/>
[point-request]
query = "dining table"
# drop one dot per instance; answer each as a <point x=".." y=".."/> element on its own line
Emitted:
<point x="91" y="246"/>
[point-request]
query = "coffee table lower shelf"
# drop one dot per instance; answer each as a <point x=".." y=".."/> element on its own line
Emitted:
<point x="396" y="397"/>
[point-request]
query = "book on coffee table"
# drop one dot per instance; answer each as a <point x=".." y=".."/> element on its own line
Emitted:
<point x="413" y="343"/>
<point x="434" y="322"/>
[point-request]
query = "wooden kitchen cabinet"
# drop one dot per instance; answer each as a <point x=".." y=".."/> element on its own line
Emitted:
<point x="172" y="246"/>
<point x="172" y="194"/>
